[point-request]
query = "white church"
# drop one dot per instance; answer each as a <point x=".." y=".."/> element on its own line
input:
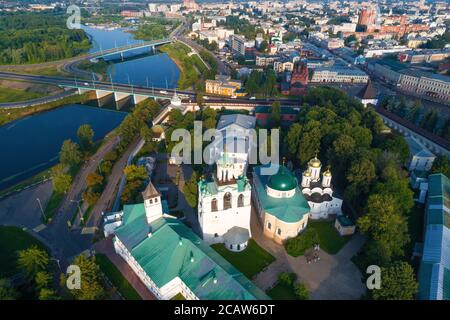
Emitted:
<point x="317" y="189"/>
<point x="224" y="203"/>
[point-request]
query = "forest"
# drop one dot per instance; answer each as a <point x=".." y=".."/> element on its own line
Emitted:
<point x="38" y="37"/>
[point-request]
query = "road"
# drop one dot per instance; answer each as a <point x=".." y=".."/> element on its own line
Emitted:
<point x="38" y="101"/>
<point x="69" y="243"/>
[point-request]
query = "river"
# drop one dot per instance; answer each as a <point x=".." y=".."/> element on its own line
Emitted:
<point x="31" y="145"/>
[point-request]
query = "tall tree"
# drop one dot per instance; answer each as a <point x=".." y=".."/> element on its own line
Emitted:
<point x="397" y="283"/>
<point x="91" y="288"/>
<point x="7" y="291"/>
<point x="441" y="165"/>
<point x="275" y="114"/>
<point x="61" y="182"/>
<point x="70" y="153"/>
<point x="190" y="190"/>
<point x="32" y="260"/>
<point x="85" y="135"/>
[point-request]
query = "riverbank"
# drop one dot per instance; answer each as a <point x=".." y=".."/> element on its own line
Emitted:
<point x="9" y="115"/>
<point x="191" y="68"/>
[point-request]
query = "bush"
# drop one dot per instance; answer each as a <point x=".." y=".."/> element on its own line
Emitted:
<point x="298" y="245"/>
<point x="287" y="278"/>
<point x="301" y="292"/>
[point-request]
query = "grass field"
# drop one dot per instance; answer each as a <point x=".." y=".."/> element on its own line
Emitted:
<point x="52" y="204"/>
<point x="282" y="291"/>
<point x="16" y="95"/>
<point x="116" y="278"/>
<point x="250" y="261"/>
<point x="12" y="240"/>
<point x="330" y="240"/>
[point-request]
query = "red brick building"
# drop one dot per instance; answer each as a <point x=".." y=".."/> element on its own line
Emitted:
<point x="299" y="79"/>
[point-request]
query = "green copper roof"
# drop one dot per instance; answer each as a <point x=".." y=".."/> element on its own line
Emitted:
<point x="173" y="250"/>
<point x="289" y="210"/>
<point x="283" y="180"/>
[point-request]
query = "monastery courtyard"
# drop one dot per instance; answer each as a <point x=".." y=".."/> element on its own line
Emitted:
<point x="332" y="277"/>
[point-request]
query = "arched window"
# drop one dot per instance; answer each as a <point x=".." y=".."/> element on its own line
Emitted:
<point x="239" y="247"/>
<point x="279" y="231"/>
<point x="214" y="204"/>
<point x="241" y="200"/>
<point x="227" y="201"/>
<point x="269" y="225"/>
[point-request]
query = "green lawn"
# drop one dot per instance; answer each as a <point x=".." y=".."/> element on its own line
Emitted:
<point x="116" y="278"/>
<point x="52" y="204"/>
<point x="16" y="95"/>
<point x="12" y="240"/>
<point x="330" y="240"/>
<point x="250" y="261"/>
<point x="282" y="291"/>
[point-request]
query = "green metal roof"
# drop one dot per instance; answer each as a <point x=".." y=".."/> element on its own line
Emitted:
<point x="173" y="250"/>
<point x="289" y="210"/>
<point x="283" y="180"/>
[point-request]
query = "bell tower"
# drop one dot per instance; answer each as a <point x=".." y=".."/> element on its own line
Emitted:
<point x="152" y="203"/>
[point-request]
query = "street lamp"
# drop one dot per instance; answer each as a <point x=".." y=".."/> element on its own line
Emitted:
<point x="79" y="208"/>
<point x="42" y="210"/>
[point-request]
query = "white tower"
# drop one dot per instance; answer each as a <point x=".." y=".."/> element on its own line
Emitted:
<point x="152" y="203"/>
<point x="306" y="179"/>
<point x="314" y="165"/>
<point x="326" y="179"/>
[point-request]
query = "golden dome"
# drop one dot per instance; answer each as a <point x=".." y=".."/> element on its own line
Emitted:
<point x="315" y="163"/>
<point x="327" y="173"/>
<point x="307" y="173"/>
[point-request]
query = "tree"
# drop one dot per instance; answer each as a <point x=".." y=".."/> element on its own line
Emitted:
<point x="301" y="292"/>
<point x="42" y="279"/>
<point x="105" y="167"/>
<point x="135" y="172"/>
<point x="85" y="135"/>
<point x="362" y="173"/>
<point x="91" y="288"/>
<point x="93" y="180"/>
<point x="397" y="283"/>
<point x="70" y="154"/>
<point x="62" y="183"/>
<point x="293" y="139"/>
<point x="7" y="291"/>
<point x="287" y="278"/>
<point x="386" y="228"/>
<point x="90" y="197"/>
<point x="190" y="190"/>
<point x="32" y="260"/>
<point x="47" y="294"/>
<point x="441" y="165"/>
<point x="275" y="114"/>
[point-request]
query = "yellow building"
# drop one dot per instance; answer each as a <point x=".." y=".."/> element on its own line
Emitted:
<point x="224" y="86"/>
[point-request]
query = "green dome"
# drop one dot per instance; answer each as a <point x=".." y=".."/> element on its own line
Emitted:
<point x="284" y="180"/>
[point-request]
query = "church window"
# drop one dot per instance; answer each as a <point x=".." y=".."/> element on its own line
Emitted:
<point x="239" y="247"/>
<point x="227" y="201"/>
<point x="216" y="235"/>
<point x="214" y="205"/>
<point x="241" y="200"/>
<point x="279" y="231"/>
<point x="231" y="246"/>
<point x="156" y="200"/>
<point x="151" y="200"/>
<point x="269" y="225"/>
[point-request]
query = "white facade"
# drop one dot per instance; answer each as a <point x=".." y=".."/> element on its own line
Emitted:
<point x="421" y="159"/>
<point x="225" y="200"/>
<point x="318" y="191"/>
<point x="340" y="75"/>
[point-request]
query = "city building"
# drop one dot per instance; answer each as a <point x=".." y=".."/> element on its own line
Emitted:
<point x="339" y="74"/>
<point x="224" y="86"/>
<point x="237" y="44"/>
<point x="299" y="79"/>
<point x="367" y="16"/>
<point x="318" y="191"/>
<point x="434" y="269"/>
<point x="224" y="202"/>
<point x="420" y="159"/>
<point x="280" y="205"/>
<point x="367" y="95"/>
<point x="169" y="258"/>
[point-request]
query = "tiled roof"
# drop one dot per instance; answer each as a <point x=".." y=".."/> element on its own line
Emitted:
<point x="173" y="250"/>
